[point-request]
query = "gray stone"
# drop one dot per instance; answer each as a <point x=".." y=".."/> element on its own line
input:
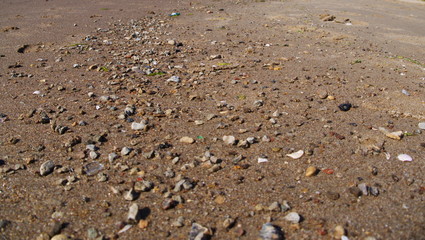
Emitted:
<point x="125" y="151"/>
<point x="270" y="232"/>
<point x="133" y="213"/>
<point x="198" y="232"/>
<point x="47" y="167"/>
<point x="293" y="217"/>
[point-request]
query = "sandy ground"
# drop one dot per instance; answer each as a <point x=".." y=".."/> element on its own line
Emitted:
<point x="224" y="95"/>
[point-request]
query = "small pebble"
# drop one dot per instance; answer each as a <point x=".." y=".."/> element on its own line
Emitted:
<point x="187" y="140"/>
<point x="231" y="140"/>
<point x="125" y="151"/>
<point x="60" y="237"/>
<point x="345" y="107"/>
<point x="421" y="125"/>
<point x="339" y="231"/>
<point x="198" y="232"/>
<point x="137" y="126"/>
<point x="293" y="217"/>
<point x="270" y="232"/>
<point x="311" y="171"/>
<point x="47" y="167"/>
<point x="133" y="213"/>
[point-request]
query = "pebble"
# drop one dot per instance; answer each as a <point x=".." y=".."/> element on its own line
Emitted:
<point x="92" y="233"/>
<point x="125" y="151"/>
<point x="112" y="157"/>
<point x="46" y="168"/>
<point x="229" y="222"/>
<point x="187" y="140"/>
<point x="102" y="177"/>
<point x="311" y="171"/>
<point x="133" y="213"/>
<point x="322" y="93"/>
<point x="130" y="195"/>
<point x="168" y="203"/>
<point x="171" y="42"/>
<point x="93" y="168"/>
<point x="355" y="191"/>
<point x="143" y="186"/>
<point x="138" y="126"/>
<point x="421" y="125"/>
<point x="345" y="107"/>
<point x="270" y="232"/>
<point x="198" y="232"/>
<point x="332" y="195"/>
<point x="179" y="222"/>
<point x="339" y="231"/>
<point x="93" y="155"/>
<point x="364" y="188"/>
<point x="4" y="223"/>
<point x="275" y="207"/>
<point x="60" y="237"/>
<point x="293" y="217"/>
<point x="231" y="140"/>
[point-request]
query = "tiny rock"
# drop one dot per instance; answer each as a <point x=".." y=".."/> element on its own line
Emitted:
<point x="270" y="232"/>
<point x="311" y="171"/>
<point x="187" y="140"/>
<point x="46" y="168"/>
<point x="231" y="140"/>
<point x="339" y="231"/>
<point x="133" y="213"/>
<point x="293" y="217"/>
<point x="138" y="126"/>
<point x="198" y="232"/>
<point x="130" y="195"/>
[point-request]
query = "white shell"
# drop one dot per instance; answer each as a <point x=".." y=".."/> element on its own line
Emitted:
<point x="125" y="228"/>
<point x="296" y="155"/>
<point x="404" y="158"/>
<point x="262" y="160"/>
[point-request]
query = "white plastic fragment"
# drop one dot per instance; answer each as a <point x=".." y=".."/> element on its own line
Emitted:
<point x="421" y="125"/>
<point x="36" y="92"/>
<point x="262" y="160"/>
<point x="404" y="158"/>
<point x="296" y="155"/>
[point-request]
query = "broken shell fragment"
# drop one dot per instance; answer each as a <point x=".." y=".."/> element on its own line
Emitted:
<point x="404" y="158"/>
<point x="296" y="155"/>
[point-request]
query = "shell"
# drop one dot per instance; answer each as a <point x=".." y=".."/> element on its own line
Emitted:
<point x="296" y="155"/>
<point x="404" y="158"/>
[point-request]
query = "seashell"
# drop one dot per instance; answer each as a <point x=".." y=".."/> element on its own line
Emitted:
<point x="404" y="158"/>
<point x="296" y="155"/>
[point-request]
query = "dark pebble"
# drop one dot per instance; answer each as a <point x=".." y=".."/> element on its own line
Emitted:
<point x="332" y="195"/>
<point x="355" y="191"/>
<point x="345" y="107"/>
